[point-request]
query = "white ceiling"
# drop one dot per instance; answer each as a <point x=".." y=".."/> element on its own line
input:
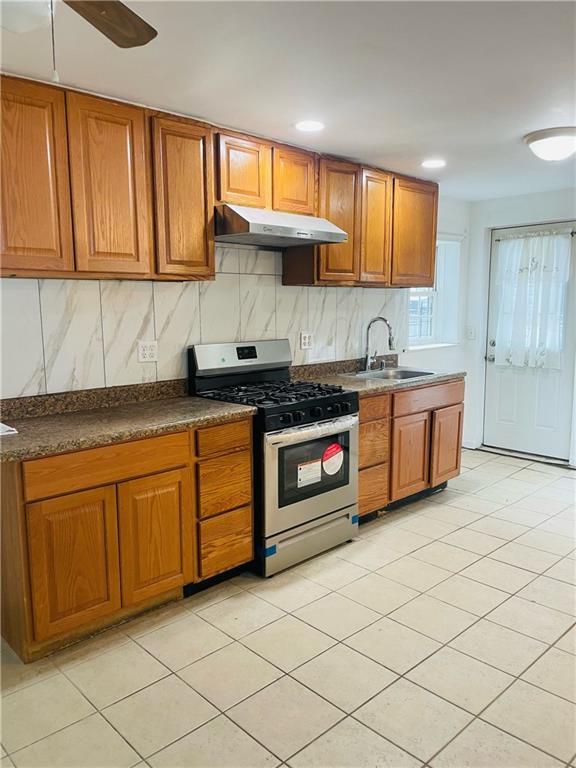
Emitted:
<point x="394" y="82"/>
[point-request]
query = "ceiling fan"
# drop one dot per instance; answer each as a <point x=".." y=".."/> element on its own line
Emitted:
<point x="115" y="20"/>
<point x="110" y="17"/>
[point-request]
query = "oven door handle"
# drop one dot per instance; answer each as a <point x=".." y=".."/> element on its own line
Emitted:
<point x="309" y="432"/>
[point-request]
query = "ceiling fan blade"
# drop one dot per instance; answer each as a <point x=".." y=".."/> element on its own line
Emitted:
<point x="115" y="20"/>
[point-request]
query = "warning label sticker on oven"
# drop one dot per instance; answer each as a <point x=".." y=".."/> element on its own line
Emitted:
<point x="309" y="472"/>
<point x="332" y="459"/>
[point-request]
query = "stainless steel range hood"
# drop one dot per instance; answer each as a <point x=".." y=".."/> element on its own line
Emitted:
<point x="260" y="226"/>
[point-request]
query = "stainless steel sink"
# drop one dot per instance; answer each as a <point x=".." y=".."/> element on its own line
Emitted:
<point x="394" y="374"/>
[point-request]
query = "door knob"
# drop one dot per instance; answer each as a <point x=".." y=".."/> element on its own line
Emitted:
<point x="492" y="342"/>
<point x="490" y="358"/>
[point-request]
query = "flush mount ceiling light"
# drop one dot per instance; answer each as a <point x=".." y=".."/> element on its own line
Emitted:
<point x="309" y="126"/>
<point x="552" y="143"/>
<point x="434" y="162"/>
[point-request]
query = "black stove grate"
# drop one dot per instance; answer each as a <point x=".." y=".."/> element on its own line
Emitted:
<point x="272" y="393"/>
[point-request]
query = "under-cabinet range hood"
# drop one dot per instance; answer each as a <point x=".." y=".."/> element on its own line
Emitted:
<point x="259" y="226"/>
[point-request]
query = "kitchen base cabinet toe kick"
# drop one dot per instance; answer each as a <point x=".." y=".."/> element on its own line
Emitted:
<point x="94" y="537"/>
<point x="410" y="443"/>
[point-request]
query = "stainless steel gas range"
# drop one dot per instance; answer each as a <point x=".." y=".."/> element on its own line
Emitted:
<point x="305" y="446"/>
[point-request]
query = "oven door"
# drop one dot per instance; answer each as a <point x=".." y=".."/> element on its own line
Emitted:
<point x="309" y="472"/>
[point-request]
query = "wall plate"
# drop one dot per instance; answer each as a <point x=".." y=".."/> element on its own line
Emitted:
<point x="147" y="351"/>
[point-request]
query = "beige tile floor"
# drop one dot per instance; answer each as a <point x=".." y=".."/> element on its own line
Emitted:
<point x="444" y="636"/>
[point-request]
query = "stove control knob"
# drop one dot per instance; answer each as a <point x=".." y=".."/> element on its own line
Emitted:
<point x="286" y="418"/>
<point x="336" y="409"/>
<point x="346" y="407"/>
<point x="298" y="416"/>
<point x="317" y="412"/>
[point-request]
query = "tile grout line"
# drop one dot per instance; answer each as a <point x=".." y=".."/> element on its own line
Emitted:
<point x="341" y="642"/>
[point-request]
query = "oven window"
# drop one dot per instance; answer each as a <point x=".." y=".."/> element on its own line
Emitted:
<point x="314" y="467"/>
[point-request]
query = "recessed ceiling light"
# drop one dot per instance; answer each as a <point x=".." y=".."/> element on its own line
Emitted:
<point x="434" y="162"/>
<point x="309" y="125"/>
<point x="552" y="143"/>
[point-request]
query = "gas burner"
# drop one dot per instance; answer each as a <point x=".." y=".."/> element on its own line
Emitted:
<point x="271" y="393"/>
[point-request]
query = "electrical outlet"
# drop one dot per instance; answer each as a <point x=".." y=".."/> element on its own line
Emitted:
<point x="147" y="351"/>
<point x="470" y="333"/>
<point x="306" y="341"/>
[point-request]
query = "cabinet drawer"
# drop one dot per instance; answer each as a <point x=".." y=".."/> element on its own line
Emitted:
<point x="224" y="483"/>
<point x="225" y="542"/>
<point x="374" y="443"/>
<point x="372" y="408"/>
<point x="373" y="489"/>
<point x="225" y="437"/>
<point x="69" y="472"/>
<point x="428" y="398"/>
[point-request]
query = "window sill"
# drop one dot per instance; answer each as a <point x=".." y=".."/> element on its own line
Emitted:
<point x="420" y="347"/>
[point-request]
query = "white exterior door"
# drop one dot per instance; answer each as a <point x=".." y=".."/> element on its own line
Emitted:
<point x="530" y="365"/>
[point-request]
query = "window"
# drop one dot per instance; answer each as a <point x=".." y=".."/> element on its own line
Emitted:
<point x="433" y="312"/>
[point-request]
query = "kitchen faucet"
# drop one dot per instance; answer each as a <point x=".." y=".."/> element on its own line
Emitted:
<point x="370" y="359"/>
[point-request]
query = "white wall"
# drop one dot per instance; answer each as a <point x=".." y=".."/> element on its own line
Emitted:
<point x="559" y="205"/>
<point x="61" y="335"/>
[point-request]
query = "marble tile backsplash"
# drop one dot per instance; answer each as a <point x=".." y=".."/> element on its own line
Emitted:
<point x="63" y="335"/>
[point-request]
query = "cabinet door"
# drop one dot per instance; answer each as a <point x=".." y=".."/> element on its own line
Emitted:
<point x="244" y="171"/>
<point x="446" y="443"/>
<point x="414" y="232"/>
<point x="293" y="181"/>
<point x="376" y="240"/>
<point x="410" y="455"/>
<point x="109" y="165"/>
<point x="74" y="567"/>
<point x="156" y="520"/>
<point x="184" y="198"/>
<point x="339" y="202"/>
<point x="36" y="222"/>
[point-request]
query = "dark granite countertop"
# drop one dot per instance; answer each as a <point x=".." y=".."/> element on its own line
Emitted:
<point x="76" y="430"/>
<point x="59" y="433"/>
<point x="366" y="387"/>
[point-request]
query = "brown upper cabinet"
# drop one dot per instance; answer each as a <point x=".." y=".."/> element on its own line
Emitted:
<point x="244" y="171"/>
<point x="339" y="202"/>
<point x="414" y="232"/>
<point x="183" y="181"/>
<point x="85" y="179"/>
<point x="36" y="223"/>
<point x="293" y="181"/>
<point x="391" y="226"/>
<point x="109" y="169"/>
<point x="376" y="238"/>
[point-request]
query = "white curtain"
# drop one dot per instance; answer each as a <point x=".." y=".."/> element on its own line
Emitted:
<point x="532" y="282"/>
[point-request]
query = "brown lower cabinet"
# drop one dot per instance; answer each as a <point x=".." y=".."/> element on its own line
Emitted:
<point x="426" y="437"/>
<point x="374" y="453"/>
<point x="74" y="565"/>
<point x="165" y="511"/>
<point x="447" y="426"/>
<point x="156" y="534"/>
<point x="225" y="541"/>
<point x="411" y="455"/>
<point x="409" y="441"/>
